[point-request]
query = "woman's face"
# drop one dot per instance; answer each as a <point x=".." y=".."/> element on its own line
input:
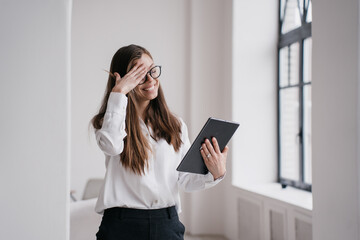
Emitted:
<point x="149" y="89"/>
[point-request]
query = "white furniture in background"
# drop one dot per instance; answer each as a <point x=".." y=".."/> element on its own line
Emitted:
<point x="92" y="188"/>
<point x="84" y="221"/>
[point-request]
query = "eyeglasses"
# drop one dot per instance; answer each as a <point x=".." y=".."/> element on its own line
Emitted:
<point x="154" y="72"/>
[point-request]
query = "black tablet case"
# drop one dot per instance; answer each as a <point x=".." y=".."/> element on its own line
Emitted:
<point x="220" y="129"/>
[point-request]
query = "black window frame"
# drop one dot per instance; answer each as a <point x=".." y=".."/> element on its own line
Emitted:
<point x="299" y="35"/>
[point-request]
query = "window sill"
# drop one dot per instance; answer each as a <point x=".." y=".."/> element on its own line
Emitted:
<point x="289" y="195"/>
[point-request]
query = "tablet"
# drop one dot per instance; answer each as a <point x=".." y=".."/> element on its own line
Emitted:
<point x="220" y="129"/>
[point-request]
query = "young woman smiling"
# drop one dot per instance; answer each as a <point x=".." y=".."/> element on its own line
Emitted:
<point x="143" y="143"/>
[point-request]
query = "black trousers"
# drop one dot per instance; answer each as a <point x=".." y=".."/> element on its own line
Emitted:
<point x="138" y="224"/>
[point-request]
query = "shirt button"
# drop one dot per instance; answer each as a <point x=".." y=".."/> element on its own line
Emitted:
<point x="156" y="201"/>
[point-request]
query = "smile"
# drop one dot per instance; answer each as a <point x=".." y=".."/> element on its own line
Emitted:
<point x="150" y="88"/>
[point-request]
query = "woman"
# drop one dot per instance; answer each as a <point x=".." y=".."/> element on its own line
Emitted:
<point x="143" y="143"/>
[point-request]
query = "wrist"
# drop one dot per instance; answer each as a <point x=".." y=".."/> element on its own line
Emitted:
<point x="118" y="90"/>
<point x="220" y="176"/>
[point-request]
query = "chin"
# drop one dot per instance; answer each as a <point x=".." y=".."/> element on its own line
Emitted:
<point x="152" y="94"/>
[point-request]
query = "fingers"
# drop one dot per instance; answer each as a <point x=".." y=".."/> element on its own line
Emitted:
<point x="205" y="150"/>
<point x="136" y="70"/>
<point x="137" y="73"/>
<point x="209" y="147"/>
<point x="141" y="74"/>
<point x="214" y="149"/>
<point x="215" y="162"/>
<point x="203" y="154"/>
<point x="216" y="145"/>
<point x="226" y="149"/>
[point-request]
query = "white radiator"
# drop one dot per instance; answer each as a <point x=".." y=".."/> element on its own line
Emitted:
<point x="262" y="218"/>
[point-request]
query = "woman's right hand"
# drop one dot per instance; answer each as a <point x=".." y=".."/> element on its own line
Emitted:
<point x="130" y="80"/>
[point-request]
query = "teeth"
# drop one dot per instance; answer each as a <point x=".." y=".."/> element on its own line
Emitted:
<point x="150" y="88"/>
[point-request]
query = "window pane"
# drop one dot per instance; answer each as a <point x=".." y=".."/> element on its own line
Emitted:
<point x="307" y="59"/>
<point x="282" y="8"/>
<point x="309" y="13"/>
<point x="307" y="134"/>
<point x="289" y="129"/>
<point x="289" y="65"/>
<point x="301" y="6"/>
<point x="292" y="19"/>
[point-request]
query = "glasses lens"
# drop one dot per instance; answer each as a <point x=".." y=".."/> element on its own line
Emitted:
<point x="155" y="72"/>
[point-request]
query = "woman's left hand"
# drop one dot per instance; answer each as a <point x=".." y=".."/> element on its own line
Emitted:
<point x="214" y="159"/>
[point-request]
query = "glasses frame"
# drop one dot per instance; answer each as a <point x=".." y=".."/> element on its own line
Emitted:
<point x="149" y="72"/>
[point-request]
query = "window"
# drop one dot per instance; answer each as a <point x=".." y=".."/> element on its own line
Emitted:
<point x="294" y="94"/>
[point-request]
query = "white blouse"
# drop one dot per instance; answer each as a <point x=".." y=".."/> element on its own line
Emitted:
<point x="159" y="186"/>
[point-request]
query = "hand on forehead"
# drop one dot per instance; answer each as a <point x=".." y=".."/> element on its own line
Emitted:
<point x="144" y="60"/>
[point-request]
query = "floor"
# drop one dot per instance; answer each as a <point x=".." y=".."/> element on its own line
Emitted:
<point x="203" y="237"/>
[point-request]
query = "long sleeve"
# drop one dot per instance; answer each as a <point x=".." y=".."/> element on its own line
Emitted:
<point x="190" y="182"/>
<point x="110" y="137"/>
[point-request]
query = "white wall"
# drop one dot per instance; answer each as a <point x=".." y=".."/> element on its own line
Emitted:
<point x="336" y="119"/>
<point x="210" y="95"/>
<point x="35" y="126"/>
<point x="254" y="63"/>
<point x="255" y="34"/>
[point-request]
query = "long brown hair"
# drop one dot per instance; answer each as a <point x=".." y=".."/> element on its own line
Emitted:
<point x="157" y="115"/>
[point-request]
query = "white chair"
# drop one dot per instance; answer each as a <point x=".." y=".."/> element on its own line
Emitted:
<point x="84" y="221"/>
<point x="92" y="188"/>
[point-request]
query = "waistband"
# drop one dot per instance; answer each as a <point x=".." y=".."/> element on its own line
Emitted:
<point x="120" y="212"/>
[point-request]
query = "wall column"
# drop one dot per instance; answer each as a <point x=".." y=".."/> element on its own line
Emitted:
<point x="335" y="121"/>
